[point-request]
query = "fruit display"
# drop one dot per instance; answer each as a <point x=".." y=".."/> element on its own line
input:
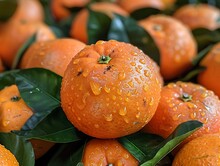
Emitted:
<point x="109" y="82"/>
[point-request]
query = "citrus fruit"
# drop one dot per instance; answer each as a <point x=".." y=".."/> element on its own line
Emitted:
<point x="79" y="26"/>
<point x="107" y="152"/>
<point x="110" y="89"/>
<point x="200" y="151"/>
<point x="199" y="16"/>
<point x="184" y="101"/>
<point x="7" y="158"/>
<point x="60" y="7"/>
<point x="210" y="77"/>
<point x="175" y="43"/>
<point x="131" y="5"/>
<point x="53" y="55"/>
<point x="2" y="68"/>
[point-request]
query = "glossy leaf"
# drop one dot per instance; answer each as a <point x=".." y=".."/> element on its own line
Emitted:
<point x="7" y="79"/>
<point x="22" y="50"/>
<point x="192" y="74"/>
<point x="40" y="89"/>
<point x="126" y="29"/>
<point x="68" y="154"/>
<point x="21" y="148"/>
<point x="144" y="13"/>
<point x="7" y="8"/>
<point x="97" y="26"/>
<point x="149" y="149"/>
<point x="54" y="128"/>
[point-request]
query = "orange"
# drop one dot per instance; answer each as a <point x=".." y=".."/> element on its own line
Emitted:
<point x="7" y="158"/>
<point x="79" y="26"/>
<point x="201" y="151"/>
<point x="29" y="10"/>
<point x="199" y="16"/>
<point x="107" y="152"/>
<point x="110" y="89"/>
<point x="169" y="3"/>
<point x="181" y="102"/>
<point x="2" y="68"/>
<point x="14" y="34"/>
<point x="131" y="5"/>
<point x="210" y="77"/>
<point x="60" y="7"/>
<point x="54" y="55"/>
<point x="175" y="42"/>
<point x="13" y="115"/>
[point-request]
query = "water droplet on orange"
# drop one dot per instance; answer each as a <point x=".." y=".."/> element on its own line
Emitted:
<point x="119" y="91"/>
<point x="95" y="87"/>
<point x="131" y="84"/>
<point x="5" y="123"/>
<point x="80" y="105"/>
<point x="109" y="117"/>
<point x="127" y="99"/>
<point x="175" y="117"/>
<point x="138" y="115"/>
<point x="146" y="73"/>
<point x="129" y="94"/>
<point x="123" y="111"/>
<point x="193" y="115"/>
<point x="107" y="89"/>
<point x="113" y="97"/>
<point x="121" y="76"/>
<point x="126" y="120"/>
<point x="78" y="118"/>
<point x="81" y="87"/>
<point x="137" y="80"/>
<point x="137" y="70"/>
<point x="96" y="126"/>
<point x="204" y="95"/>
<point x="126" y="155"/>
<point x="202" y="113"/>
<point x="85" y="73"/>
<point x="145" y="87"/>
<point x="76" y="61"/>
<point x="133" y="64"/>
<point x="87" y="94"/>
<point x="142" y="61"/>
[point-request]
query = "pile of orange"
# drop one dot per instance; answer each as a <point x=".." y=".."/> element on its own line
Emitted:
<point x="111" y="88"/>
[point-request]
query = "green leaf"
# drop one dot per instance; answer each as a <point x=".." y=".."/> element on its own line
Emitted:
<point x="7" y="8"/>
<point x="40" y="89"/>
<point x="144" y="13"/>
<point x="192" y="74"/>
<point x="7" y="79"/>
<point x="149" y="149"/>
<point x="22" y="50"/>
<point x="54" y="128"/>
<point x="21" y="148"/>
<point x="97" y="26"/>
<point x="127" y="30"/>
<point x="68" y="154"/>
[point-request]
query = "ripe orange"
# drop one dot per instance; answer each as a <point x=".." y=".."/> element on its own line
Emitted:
<point x="54" y="55"/>
<point x="181" y="102"/>
<point x="175" y="42"/>
<point x="210" y="77"/>
<point x="14" y="33"/>
<point x="199" y="16"/>
<point x="60" y="7"/>
<point x="2" y="68"/>
<point x="131" y="5"/>
<point x="107" y="152"/>
<point x="13" y="115"/>
<point x="201" y="151"/>
<point x="110" y="89"/>
<point x="28" y="10"/>
<point x="79" y="26"/>
<point x="7" y="158"/>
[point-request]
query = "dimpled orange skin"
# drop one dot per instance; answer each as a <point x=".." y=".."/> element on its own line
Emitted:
<point x="131" y="5"/>
<point x="54" y="55"/>
<point x="106" y="152"/>
<point x="175" y="42"/>
<point x="199" y="16"/>
<point x="7" y="158"/>
<point x="60" y="7"/>
<point x="210" y="77"/>
<point x="110" y="100"/>
<point x="172" y="110"/>
<point x="79" y="26"/>
<point x="201" y="151"/>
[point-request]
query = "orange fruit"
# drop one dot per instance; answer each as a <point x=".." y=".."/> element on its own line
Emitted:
<point x="7" y="158"/>
<point x="28" y="10"/>
<point x="199" y="16"/>
<point x="79" y="26"/>
<point x="200" y="151"/>
<point x="110" y="89"/>
<point x="175" y="43"/>
<point x="131" y="5"/>
<point x="210" y="77"/>
<point x="169" y="3"/>
<point x="107" y="152"/>
<point x="14" y="33"/>
<point x="2" y="68"/>
<point x="184" y="101"/>
<point x="60" y="7"/>
<point x="53" y="55"/>
<point x="14" y="114"/>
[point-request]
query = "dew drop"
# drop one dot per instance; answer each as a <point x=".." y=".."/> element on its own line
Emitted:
<point x="100" y="42"/>
<point x="121" y="76"/>
<point x="137" y="80"/>
<point x="204" y="95"/>
<point x="137" y="70"/>
<point x="127" y="99"/>
<point x="193" y="115"/>
<point x="107" y="89"/>
<point x="131" y="84"/>
<point x="129" y="94"/>
<point x="119" y="91"/>
<point x="126" y="120"/>
<point x="80" y="88"/>
<point x="85" y="73"/>
<point x="80" y="105"/>
<point x="142" y="78"/>
<point x="133" y="64"/>
<point x="5" y="122"/>
<point x="203" y="114"/>
<point x="138" y="115"/>
<point x="113" y="97"/>
<point x="109" y="118"/>
<point x="96" y="126"/>
<point x="142" y="61"/>
<point x="126" y="155"/>
<point x="176" y="117"/>
<point x="95" y="87"/>
<point x="87" y="94"/>
<point x="79" y="118"/>
<point x="145" y="87"/>
<point x="123" y="111"/>
<point x="76" y="61"/>
<point x="146" y="73"/>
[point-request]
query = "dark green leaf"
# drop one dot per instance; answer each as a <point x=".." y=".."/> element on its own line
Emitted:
<point x="127" y="30"/>
<point x="22" y="50"/>
<point x="49" y="18"/>
<point x="7" y="8"/>
<point x="40" y="89"/>
<point x="21" y="148"/>
<point x="7" y="79"/>
<point x="144" y="13"/>
<point x="54" y="128"/>
<point x="192" y="74"/>
<point x="97" y="26"/>
<point x="68" y="154"/>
